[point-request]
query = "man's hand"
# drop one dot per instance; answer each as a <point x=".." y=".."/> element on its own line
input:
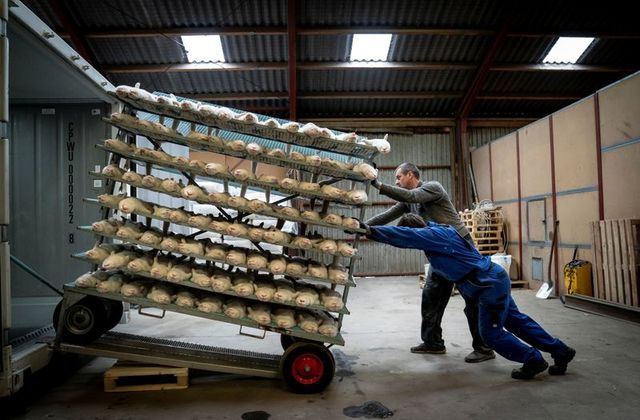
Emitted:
<point x="362" y="226"/>
<point x="365" y="227"/>
<point x="375" y="183"/>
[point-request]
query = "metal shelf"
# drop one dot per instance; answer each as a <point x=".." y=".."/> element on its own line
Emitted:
<point x="202" y="257"/>
<point x="229" y="177"/>
<point x="362" y="151"/>
<point x="82" y="257"/>
<point x="246" y="322"/>
<point x="95" y="201"/>
<point x="263" y="158"/>
<point x="264" y="213"/>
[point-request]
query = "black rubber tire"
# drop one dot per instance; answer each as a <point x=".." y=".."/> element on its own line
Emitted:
<point x="287" y="340"/>
<point x="114" y="312"/>
<point x="84" y="321"/>
<point x="307" y="368"/>
<point x="56" y="316"/>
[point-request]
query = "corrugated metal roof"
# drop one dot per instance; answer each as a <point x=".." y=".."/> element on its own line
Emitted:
<point x="617" y="52"/>
<point x="516" y="108"/>
<point x="538" y="17"/>
<point x="542" y="82"/>
<point x="400" y="12"/>
<point x="242" y="49"/>
<point x="377" y="107"/>
<point x="324" y="47"/>
<point x="157" y="50"/>
<point x="207" y="82"/>
<point x="524" y="50"/>
<point x="439" y="48"/>
<point x="177" y="13"/>
<point x="384" y="80"/>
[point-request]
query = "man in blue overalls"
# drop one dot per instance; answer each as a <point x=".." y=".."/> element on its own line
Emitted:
<point x="501" y="323"/>
<point x="430" y="201"/>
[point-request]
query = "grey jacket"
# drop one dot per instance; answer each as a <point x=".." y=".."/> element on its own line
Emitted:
<point x="429" y="200"/>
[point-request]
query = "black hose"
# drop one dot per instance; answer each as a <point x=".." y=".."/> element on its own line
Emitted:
<point x="38" y="277"/>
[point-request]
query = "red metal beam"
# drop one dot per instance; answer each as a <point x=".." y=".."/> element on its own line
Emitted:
<point x="78" y="39"/>
<point x="464" y="109"/>
<point x="596" y="104"/>
<point x="292" y="33"/>
<point x="490" y="173"/>
<point x="482" y="73"/>
<point x="519" y="207"/>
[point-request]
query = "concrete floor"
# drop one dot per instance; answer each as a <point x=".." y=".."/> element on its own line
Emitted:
<point x="376" y="365"/>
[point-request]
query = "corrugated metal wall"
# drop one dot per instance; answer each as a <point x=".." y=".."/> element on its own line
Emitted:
<point x="420" y="149"/>
<point x="51" y="150"/>
<point x="479" y="136"/>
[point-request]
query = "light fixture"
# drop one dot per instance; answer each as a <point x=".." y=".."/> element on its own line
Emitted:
<point x="568" y="50"/>
<point x="203" y="48"/>
<point x="370" y="47"/>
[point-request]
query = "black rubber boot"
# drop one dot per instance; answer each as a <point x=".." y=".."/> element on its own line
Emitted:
<point x="559" y="366"/>
<point x="529" y="369"/>
<point x="429" y="348"/>
<point x="477" y="356"/>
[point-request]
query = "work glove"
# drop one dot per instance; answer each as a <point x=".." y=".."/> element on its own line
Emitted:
<point x="362" y="225"/>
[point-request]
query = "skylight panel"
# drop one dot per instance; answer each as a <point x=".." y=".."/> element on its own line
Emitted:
<point x="203" y="48"/>
<point x="370" y="47"/>
<point x="568" y="50"/>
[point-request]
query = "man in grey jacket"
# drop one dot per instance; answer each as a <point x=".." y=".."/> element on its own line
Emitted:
<point x="430" y="201"/>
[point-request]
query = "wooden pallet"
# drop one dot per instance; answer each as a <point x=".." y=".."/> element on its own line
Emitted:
<point x="124" y="377"/>
<point x="490" y="249"/>
<point x="487" y="241"/>
<point x="486" y="227"/>
<point x="616" y="245"/>
<point x="491" y="214"/>
<point x="523" y="284"/>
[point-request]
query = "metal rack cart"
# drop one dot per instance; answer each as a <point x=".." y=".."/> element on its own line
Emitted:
<point x="85" y="315"/>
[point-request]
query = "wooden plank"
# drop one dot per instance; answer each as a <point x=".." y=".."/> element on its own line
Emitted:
<point x="597" y="252"/>
<point x="610" y="275"/>
<point x="624" y="260"/>
<point x="157" y="378"/>
<point x="486" y="234"/>
<point x="617" y="262"/>
<point x="633" y="239"/>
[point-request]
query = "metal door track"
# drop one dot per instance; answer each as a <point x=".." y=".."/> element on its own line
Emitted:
<point x="174" y="353"/>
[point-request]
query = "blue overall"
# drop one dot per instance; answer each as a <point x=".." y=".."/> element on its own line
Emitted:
<point x="501" y="323"/>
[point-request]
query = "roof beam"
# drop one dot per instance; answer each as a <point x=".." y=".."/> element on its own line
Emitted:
<point x="562" y="67"/>
<point x="341" y="30"/>
<point x="482" y="74"/>
<point x="366" y="123"/>
<point x="78" y="39"/>
<point x="380" y="65"/>
<point x="233" y="96"/>
<point x="291" y="44"/>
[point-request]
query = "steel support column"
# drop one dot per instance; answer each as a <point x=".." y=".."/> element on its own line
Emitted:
<point x="292" y="33"/>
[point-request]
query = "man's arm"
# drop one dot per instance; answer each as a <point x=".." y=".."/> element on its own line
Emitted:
<point x="388" y="216"/>
<point x="407" y="237"/>
<point x="423" y="194"/>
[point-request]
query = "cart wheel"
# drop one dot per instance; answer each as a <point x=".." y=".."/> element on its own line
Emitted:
<point x="287" y="340"/>
<point x="56" y="315"/>
<point x="114" y="312"/>
<point x="307" y="368"/>
<point x="84" y="321"/>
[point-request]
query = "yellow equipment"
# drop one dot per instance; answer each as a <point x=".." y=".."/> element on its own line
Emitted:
<point x="577" y="278"/>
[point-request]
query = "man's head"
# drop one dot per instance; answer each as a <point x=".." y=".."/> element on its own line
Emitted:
<point x="412" y="220"/>
<point x="407" y="176"/>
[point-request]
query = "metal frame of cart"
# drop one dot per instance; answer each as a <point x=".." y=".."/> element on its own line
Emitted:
<point x="306" y="366"/>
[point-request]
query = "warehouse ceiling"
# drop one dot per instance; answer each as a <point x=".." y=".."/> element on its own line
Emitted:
<point x="447" y="59"/>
